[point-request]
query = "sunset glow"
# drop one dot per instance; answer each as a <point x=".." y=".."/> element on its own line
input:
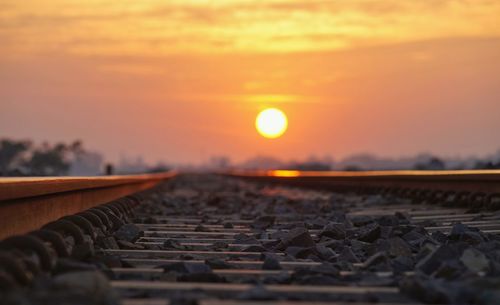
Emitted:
<point x="156" y="27"/>
<point x="385" y="77"/>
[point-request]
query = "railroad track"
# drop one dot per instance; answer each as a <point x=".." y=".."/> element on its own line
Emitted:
<point x="357" y="238"/>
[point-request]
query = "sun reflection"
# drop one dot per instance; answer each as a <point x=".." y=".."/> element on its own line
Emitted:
<point x="283" y="173"/>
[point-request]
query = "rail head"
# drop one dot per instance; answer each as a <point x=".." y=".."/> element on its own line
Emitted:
<point x="24" y="187"/>
<point x="29" y="203"/>
<point x="478" y="183"/>
<point x="388" y="174"/>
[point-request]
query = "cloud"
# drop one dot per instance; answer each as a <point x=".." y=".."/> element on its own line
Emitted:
<point x="152" y="27"/>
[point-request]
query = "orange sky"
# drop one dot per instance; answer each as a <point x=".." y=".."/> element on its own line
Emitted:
<point x="183" y="80"/>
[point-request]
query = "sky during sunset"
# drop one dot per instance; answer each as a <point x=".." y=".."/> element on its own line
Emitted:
<point x="183" y="80"/>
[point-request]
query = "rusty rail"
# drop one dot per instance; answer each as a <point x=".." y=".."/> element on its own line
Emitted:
<point x="479" y="186"/>
<point x="28" y="203"/>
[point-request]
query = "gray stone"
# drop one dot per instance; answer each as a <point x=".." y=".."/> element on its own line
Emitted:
<point x="300" y="252"/>
<point x="108" y="242"/>
<point x="333" y="230"/>
<point x="228" y="225"/>
<point x="270" y="263"/>
<point x="324" y="274"/>
<point x="484" y="291"/>
<point x="450" y="270"/>
<point x="347" y="255"/>
<point x="129" y="246"/>
<point x="358" y="246"/>
<point x="427" y="291"/>
<point x="413" y="235"/>
<point x="402" y="264"/>
<point x="475" y="260"/>
<point x="325" y="253"/>
<point x="369" y="233"/>
<point x="434" y="259"/>
<point x="217" y="263"/>
<point x="172" y="244"/>
<point x="379" y="261"/>
<point x="263" y="222"/>
<point x="243" y="238"/>
<point x="129" y="232"/>
<point x="90" y="284"/>
<point x="254" y="248"/>
<point x="326" y="269"/>
<point x="398" y="247"/>
<point x="201" y="228"/>
<point x="317" y="223"/>
<point x="220" y="245"/>
<point x="439" y="236"/>
<point x="298" y="237"/>
<point x="388" y="220"/>
<point x="361" y="220"/>
<point x="403" y="217"/>
<point x="461" y="232"/>
<point x="386" y="232"/>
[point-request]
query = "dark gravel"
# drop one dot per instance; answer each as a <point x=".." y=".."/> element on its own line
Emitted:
<point x="444" y="267"/>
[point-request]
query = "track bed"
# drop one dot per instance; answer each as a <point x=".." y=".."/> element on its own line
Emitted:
<point x="203" y="239"/>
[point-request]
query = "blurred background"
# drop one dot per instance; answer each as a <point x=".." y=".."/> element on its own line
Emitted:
<point x="152" y="85"/>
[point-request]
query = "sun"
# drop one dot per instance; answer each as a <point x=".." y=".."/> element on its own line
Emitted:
<point x="271" y="123"/>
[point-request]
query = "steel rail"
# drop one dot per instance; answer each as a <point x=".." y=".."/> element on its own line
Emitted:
<point x="467" y="184"/>
<point x="28" y="203"/>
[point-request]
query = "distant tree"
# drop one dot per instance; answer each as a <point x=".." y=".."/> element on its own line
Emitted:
<point x="11" y="155"/>
<point x="487" y="165"/>
<point x="220" y="162"/>
<point x="433" y="164"/>
<point x="76" y="148"/>
<point x="263" y="162"/>
<point x="49" y="160"/>
<point x="159" y="168"/>
<point x="352" y="168"/>
<point x="128" y="166"/>
<point x="311" y="166"/>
